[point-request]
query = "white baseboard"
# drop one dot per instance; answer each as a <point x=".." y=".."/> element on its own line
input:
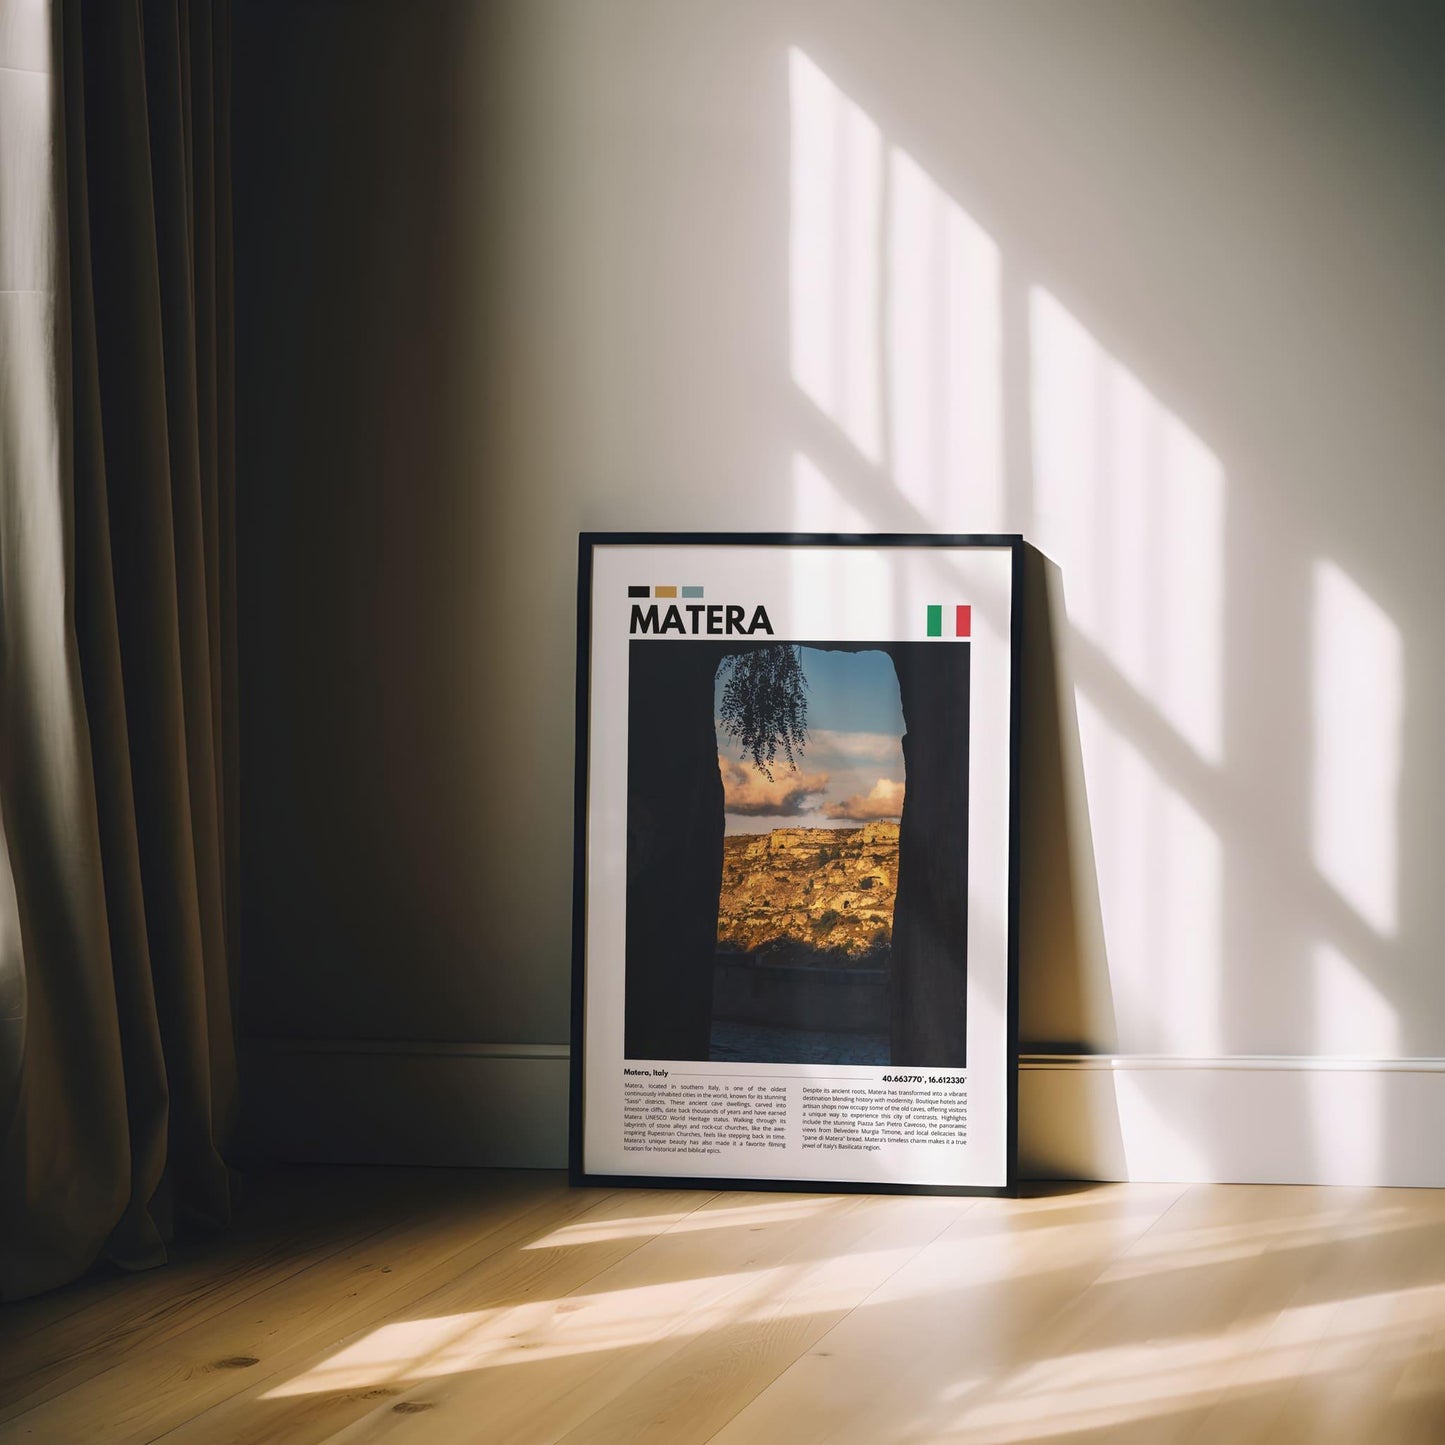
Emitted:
<point x="1233" y="1120"/>
<point x="1219" y="1120"/>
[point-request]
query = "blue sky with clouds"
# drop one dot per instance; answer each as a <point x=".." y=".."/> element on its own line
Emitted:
<point x="852" y="769"/>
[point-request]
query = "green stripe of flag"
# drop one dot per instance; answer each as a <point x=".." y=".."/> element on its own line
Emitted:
<point x="935" y="621"/>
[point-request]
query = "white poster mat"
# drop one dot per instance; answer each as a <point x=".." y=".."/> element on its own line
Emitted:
<point x="845" y="593"/>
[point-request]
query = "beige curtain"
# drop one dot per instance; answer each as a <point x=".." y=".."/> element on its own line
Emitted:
<point x="117" y="676"/>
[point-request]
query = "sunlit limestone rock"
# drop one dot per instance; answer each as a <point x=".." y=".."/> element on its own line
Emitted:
<point x="828" y="889"/>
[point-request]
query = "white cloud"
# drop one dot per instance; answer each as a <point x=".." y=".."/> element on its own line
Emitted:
<point x="883" y="800"/>
<point x="747" y="791"/>
<point x="860" y="747"/>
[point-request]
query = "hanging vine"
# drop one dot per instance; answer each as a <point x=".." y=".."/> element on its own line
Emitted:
<point x="764" y="704"/>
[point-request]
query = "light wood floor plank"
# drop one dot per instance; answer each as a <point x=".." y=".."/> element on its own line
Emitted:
<point x="308" y="1395"/>
<point x="726" y="1362"/>
<point x="948" y="1322"/>
<point x="160" y="1385"/>
<point x="42" y="1353"/>
<point x="438" y="1306"/>
<point x="535" y="1372"/>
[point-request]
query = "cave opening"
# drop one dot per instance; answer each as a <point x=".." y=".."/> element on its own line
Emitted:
<point x="677" y="815"/>
<point x="810" y="860"/>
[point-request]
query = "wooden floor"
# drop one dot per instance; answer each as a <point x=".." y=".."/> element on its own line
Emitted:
<point x="366" y="1305"/>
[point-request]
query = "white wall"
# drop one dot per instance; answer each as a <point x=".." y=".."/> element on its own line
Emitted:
<point x="1158" y="286"/>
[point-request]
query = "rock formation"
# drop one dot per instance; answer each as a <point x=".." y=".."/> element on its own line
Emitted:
<point x="828" y="890"/>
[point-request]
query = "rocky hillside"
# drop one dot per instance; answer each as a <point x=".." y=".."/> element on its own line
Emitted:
<point x="827" y="889"/>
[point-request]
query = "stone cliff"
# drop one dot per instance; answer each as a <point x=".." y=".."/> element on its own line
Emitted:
<point x="826" y="889"/>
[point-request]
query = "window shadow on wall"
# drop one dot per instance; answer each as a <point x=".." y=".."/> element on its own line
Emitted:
<point x="1211" y="789"/>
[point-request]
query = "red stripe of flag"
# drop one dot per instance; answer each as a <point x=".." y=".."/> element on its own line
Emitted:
<point x="964" y="621"/>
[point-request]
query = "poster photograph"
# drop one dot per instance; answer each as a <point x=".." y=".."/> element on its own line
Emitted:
<point x="796" y="878"/>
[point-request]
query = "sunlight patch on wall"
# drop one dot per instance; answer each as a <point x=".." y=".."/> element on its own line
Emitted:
<point x="837" y="181"/>
<point x="818" y="506"/>
<point x="1353" y="1019"/>
<point x="1130" y="504"/>
<point x="1348" y="1125"/>
<point x="1161" y="879"/>
<point x="944" y="350"/>
<point x="1359" y="685"/>
<point x="1155" y="1146"/>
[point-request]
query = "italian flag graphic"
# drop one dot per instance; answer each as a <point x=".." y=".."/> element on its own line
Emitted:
<point x="960" y="618"/>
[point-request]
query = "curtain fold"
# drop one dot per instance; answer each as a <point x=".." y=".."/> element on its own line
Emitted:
<point x="118" y="779"/>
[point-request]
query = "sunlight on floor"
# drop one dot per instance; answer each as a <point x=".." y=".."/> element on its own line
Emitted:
<point x="1098" y="1388"/>
<point x="734" y="1217"/>
<point x="587" y="1322"/>
<point x="971" y="1240"/>
<point x="967" y="1267"/>
<point x="1223" y="1243"/>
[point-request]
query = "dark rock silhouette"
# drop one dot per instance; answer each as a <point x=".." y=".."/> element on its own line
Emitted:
<point x="930" y="911"/>
<point x="674" y="849"/>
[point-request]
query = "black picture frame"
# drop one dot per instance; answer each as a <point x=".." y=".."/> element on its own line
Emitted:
<point x="588" y="542"/>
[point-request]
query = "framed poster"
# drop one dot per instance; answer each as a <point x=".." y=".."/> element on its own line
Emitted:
<point x="796" y="890"/>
